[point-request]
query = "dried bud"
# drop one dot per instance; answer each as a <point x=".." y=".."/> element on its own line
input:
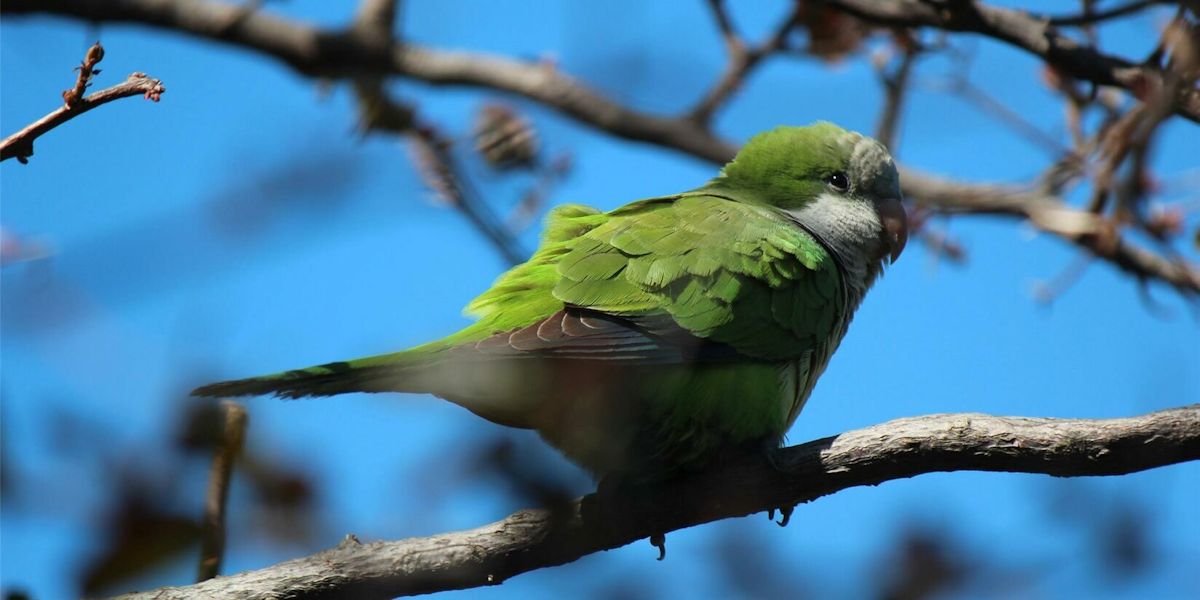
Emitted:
<point x="94" y="55"/>
<point x="505" y="139"/>
<point x="1165" y="221"/>
<point x="429" y="154"/>
<point x="1052" y="77"/>
<point x="832" y="34"/>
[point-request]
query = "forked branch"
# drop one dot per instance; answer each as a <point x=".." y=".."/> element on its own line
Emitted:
<point x="20" y="144"/>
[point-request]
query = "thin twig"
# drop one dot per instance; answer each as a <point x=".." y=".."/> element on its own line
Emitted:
<point x="1093" y="17"/>
<point x="895" y="85"/>
<point x="375" y="18"/>
<point x="379" y="112"/>
<point x="1050" y="290"/>
<point x="212" y="525"/>
<point x="1023" y="31"/>
<point x="442" y="169"/>
<point x="725" y="25"/>
<point x="329" y="53"/>
<point x="1050" y="214"/>
<point x="20" y="144"/>
<point x="960" y="85"/>
<point x="742" y="60"/>
<point x="86" y="69"/>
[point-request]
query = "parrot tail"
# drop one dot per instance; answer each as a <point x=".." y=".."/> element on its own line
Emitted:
<point x="324" y="380"/>
<point x="501" y="395"/>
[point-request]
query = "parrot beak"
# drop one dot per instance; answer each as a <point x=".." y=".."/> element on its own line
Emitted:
<point x="895" y="226"/>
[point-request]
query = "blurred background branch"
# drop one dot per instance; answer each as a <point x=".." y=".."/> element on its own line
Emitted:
<point x="212" y="524"/>
<point x="1162" y="89"/>
<point x="303" y="240"/>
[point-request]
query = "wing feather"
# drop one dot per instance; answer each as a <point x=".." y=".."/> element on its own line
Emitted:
<point x="668" y="280"/>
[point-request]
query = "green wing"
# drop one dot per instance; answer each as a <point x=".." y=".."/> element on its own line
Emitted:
<point x="726" y="272"/>
<point x="667" y="280"/>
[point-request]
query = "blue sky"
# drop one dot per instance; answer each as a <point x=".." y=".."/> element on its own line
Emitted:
<point x="174" y="264"/>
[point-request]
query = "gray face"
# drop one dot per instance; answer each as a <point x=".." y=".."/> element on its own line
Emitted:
<point x="872" y="171"/>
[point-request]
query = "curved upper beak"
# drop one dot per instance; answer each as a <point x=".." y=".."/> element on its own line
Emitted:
<point x="895" y="226"/>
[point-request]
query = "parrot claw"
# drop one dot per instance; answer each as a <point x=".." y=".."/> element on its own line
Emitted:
<point x="659" y="540"/>
<point x="785" y="515"/>
<point x="771" y="514"/>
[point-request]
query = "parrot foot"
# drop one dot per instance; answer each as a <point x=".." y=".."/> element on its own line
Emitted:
<point x="596" y="506"/>
<point x="770" y="451"/>
<point x="659" y="540"/>
<point x="785" y="515"/>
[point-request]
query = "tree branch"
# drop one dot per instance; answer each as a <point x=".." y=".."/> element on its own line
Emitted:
<point x="20" y="144"/>
<point x="1051" y="215"/>
<point x="340" y="54"/>
<point x="375" y="18"/>
<point x="212" y="532"/>
<point x="742" y="60"/>
<point x="534" y="539"/>
<point x="1097" y="16"/>
<point x="895" y="85"/>
<point x="344" y="54"/>
<point x="1034" y="35"/>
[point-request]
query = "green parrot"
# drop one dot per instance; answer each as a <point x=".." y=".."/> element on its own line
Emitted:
<point x="643" y="341"/>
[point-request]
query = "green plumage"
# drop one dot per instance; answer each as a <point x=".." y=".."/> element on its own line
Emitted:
<point x="644" y="339"/>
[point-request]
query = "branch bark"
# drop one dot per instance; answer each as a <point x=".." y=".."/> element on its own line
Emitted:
<point x="1032" y="34"/>
<point x="20" y="144"/>
<point x="345" y="54"/>
<point x="534" y="539"/>
<point x="1049" y="214"/>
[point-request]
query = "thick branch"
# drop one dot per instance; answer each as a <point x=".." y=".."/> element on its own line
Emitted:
<point x="534" y="539"/>
<point x="20" y="144"/>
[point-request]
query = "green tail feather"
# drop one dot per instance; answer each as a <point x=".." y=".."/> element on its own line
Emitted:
<point x="366" y="375"/>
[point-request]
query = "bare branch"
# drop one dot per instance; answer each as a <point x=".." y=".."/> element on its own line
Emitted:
<point x="212" y="532"/>
<point x="341" y="54"/>
<point x="742" y="60"/>
<point x="1094" y="17"/>
<point x="437" y="167"/>
<point x="725" y="25"/>
<point x="337" y="54"/>
<point x="20" y="144"/>
<point x="375" y="19"/>
<point x="1029" y="33"/>
<point x="1051" y="215"/>
<point x="895" y="84"/>
<point x="962" y="87"/>
<point x="534" y="539"/>
<point x="86" y="69"/>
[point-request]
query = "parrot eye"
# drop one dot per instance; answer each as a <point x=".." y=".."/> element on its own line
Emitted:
<point x="839" y="181"/>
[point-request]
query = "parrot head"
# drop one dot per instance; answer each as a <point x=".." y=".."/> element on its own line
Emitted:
<point x="841" y="186"/>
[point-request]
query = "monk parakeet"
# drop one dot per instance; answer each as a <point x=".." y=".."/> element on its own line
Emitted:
<point x="643" y="340"/>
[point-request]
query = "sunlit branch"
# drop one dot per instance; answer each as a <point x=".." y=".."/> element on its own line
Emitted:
<point x="534" y="539"/>
<point x="20" y="144"/>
